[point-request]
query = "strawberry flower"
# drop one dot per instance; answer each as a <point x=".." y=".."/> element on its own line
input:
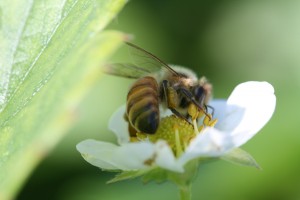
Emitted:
<point x="248" y="108"/>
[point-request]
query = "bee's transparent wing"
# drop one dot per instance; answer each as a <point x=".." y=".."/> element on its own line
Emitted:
<point x="144" y="63"/>
<point x="148" y="61"/>
<point x="126" y="70"/>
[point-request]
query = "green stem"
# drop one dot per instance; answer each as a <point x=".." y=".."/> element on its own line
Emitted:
<point x="185" y="192"/>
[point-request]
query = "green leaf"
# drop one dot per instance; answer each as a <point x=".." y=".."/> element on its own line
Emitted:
<point x="241" y="157"/>
<point x="50" y="55"/>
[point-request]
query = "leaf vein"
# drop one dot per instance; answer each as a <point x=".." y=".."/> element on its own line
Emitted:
<point x="35" y="61"/>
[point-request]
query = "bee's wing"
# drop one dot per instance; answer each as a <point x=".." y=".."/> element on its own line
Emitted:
<point x="126" y="70"/>
<point x="148" y="61"/>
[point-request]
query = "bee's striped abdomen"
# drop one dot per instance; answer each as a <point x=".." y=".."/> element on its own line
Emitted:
<point x="143" y="105"/>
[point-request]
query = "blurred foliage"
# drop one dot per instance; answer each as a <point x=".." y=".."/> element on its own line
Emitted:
<point x="227" y="41"/>
<point x="44" y="46"/>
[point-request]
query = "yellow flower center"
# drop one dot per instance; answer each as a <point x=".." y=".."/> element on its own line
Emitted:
<point x="179" y="132"/>
<point x="176" y="131"/>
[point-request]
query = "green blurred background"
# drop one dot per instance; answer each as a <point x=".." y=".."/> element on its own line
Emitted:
<point x="229" y="42"/>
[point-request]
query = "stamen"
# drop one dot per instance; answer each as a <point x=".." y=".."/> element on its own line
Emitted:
<point x="140" y="136"/>
<point x="213" y="122"/>
<point x="193" y="111"/>
<point x="176" y="131"/>
<point x="178" y="147"/>
<point x="201" y="113"/>
<point x="207" y="119"/>
<point x="196" y="130"/>
<point x="134" y="139"/>
<point x="200" y="128"/>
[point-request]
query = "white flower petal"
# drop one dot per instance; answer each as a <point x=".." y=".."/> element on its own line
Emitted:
<point x="129" y="156"/>
<point x="248" y="109"/>
<point x="229" y="116"/>
<point x="119" y="126"/>
<point x="253" y="104"/>
<point x="219" y="105"/>
<point x="165" y="157"/>
<point x="97" y="152"/>
<point x="135" y="155"/>
<point x="209" y="143"/>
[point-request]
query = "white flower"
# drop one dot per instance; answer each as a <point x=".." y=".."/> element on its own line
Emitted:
<point x="246" y="111"/>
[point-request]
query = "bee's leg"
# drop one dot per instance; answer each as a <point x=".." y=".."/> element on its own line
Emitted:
<point x="212" y="109"/>
<point x="191" y="97"/>
<point x="132" y="131"/>
<point x="171" y="98"/>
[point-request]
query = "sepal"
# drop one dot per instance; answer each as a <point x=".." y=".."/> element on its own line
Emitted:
<point x="241" y="157"/>
<point x="126" y="175"/>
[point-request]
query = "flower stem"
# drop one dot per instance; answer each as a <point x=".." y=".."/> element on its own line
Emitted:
<point x="185" y="192"/>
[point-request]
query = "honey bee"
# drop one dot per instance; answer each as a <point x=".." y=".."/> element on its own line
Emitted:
<point x="158" y="83"/>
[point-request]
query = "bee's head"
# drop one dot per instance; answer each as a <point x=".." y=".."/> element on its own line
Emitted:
<point x="202" y="91"/>
<point x="186" y="77"/>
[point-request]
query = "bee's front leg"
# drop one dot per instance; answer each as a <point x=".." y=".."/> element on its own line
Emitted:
<point x="212" y="109"/>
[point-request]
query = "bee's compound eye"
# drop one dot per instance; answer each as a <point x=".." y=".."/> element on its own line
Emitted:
<point x="148" y="123"/>
<point x="199" y="93"/>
